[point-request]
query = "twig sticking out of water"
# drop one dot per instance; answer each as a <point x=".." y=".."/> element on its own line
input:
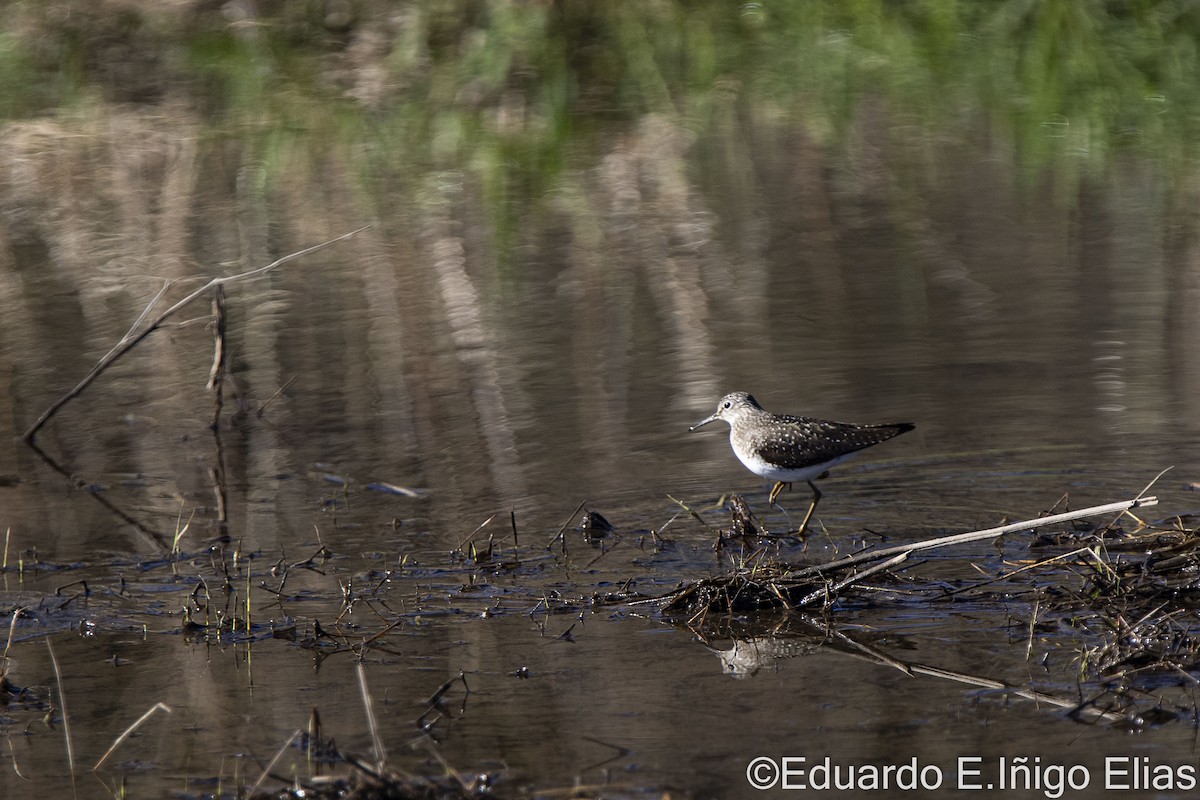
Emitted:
<point x="559" y="536"/>
<point x="62" y="706"/>
<point x="125" y="735"/>
<point x="12" y="630"/>
<point x="296" y="735"/>
<point x="131" y="340"/>
<point x="372" y="723"/>
<point x="1145" y="489"/>
<point x="689" y="510"/>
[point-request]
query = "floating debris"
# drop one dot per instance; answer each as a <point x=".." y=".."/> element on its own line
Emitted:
<point x="775" y="585"/>
<point x="391" y="488"/>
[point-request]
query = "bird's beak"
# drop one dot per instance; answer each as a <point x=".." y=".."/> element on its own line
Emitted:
<point x="702" y="423"/>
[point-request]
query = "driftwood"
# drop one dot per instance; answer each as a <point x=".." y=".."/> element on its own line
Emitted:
<point x="972" y="536"/>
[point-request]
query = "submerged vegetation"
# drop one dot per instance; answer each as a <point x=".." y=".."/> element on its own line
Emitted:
<point x="1123" y="596"/>
<point x="1128" y="598"/>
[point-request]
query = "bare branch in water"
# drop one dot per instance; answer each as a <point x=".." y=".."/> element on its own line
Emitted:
<point x="131" y="340"/>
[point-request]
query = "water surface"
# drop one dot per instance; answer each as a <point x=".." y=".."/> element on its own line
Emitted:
<point x="523" y="331"/>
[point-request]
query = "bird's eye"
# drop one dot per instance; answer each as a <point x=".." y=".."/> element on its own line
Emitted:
<point x="727" y="404"/>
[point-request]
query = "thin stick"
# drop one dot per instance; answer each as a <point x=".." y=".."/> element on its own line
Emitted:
<point x="157" y="538"/>
<point x="478" y="528"/>
<point x="372" y="723"/>
<point x="867" y="653"/>
<point x="296" y="734"/>
<point x="689" y="510"/>
<point x="180" y="532"/>
<point x="1145" y="489"/>
<point x="216" y="474"/>
<point x="563" y="529"/>
<point x="62" y="704"/>
<point x="1037" y="605"/>
<point x="130" y="730"/>
<point x="1006" y="575"/>
<point x="12" y="630"/>
<point x="128" y="342"/>
<point x="1028" y="694"/>
<point x="451" y="771"/>
<point x="973" y="536"/>
<point x="855" y="578"/>
<point x="146" y="311"/>
<point x="263" y="408"/>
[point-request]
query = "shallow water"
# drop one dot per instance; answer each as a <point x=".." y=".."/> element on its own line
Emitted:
<point x="506" y="357"/>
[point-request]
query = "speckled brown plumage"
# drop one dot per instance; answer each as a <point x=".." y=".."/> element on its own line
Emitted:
<point x="797" y="442"/>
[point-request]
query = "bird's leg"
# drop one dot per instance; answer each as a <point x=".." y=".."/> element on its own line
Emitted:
<point x="775" y="490"/>
<point x="816" y="499"/>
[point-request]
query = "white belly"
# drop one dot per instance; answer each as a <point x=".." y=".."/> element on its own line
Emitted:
<point x="773" y="473"/>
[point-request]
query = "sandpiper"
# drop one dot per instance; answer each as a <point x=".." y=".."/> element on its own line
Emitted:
<point x="784" y="448"/>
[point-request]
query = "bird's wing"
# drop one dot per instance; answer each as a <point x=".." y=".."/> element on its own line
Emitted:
<point x="824" y="440"/>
